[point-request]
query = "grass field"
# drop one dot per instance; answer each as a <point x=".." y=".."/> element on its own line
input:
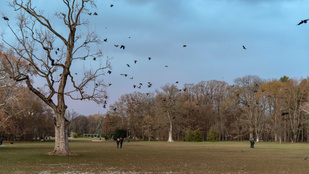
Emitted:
<point x="155" y="157"/>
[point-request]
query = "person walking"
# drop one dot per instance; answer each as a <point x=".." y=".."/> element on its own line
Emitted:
<point x="252" y="142"/>
<point x="121" y="141"/>
<point x="118" y="143"/>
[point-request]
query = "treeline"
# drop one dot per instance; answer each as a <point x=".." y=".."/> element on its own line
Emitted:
<point x="275" y="110"/>
<point x="268" y="110"/>
<point x="22" y="115"/>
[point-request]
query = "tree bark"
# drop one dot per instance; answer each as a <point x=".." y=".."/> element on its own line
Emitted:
<point x="61" y="137"/>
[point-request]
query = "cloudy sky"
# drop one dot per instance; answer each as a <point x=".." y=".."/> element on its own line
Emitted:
<point x="214" y="32"/>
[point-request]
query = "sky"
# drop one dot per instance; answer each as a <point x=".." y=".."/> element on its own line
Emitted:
<point x="214" y="32"/>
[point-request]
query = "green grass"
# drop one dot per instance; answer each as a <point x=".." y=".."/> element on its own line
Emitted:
<point x="156" y="157"/>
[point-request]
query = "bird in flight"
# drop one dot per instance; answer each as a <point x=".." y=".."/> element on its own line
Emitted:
<point x="116" y="45"/>
<point x="95" y="13"/>
<point x="135" y="61"/>
<point x="184" y="45"/>
<point x="109" y="72"/>
<point x="112" y="5"/>
<point x="105" y="40"/>
<point x="303" y="21"/>
<point x="244" y="47"/>
<point x="123" y="47"/>
<point x="128" y="65"/>
<point x="149" y="58"/>
<point x="89" y="13"/>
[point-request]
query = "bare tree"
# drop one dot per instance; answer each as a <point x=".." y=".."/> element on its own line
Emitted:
<point x="44" y="52"/>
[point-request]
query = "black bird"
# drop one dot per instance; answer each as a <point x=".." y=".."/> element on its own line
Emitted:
<point x="134" y="86"/>
<point x="125" y="75"/>
<point x="147" y="93"/>
<point x="166" y="66"/>
<point x="95" y="13"/>
<point x="94" y="58"/>
<point x="184" y="45"/>
<point x="149" y="58"/>
<point x="128" y="65"/>
<point x="58" y="49"/>
<point x="109" y="72"/>
<point x="5" y="18"/>
<point x="116" y="45"/>
<point x="285" y="113"/>
<point x="112" y="5"/>
<point x="141" y="84"/>
<point x="174" y="117"/>
<point x="303" y="21"/>
<point x="96" y="84"/>
<point x="115" y="109"/>
<point x="176" y="81"/>
<point x="244" y="47"/>
<point x="89" y="13"/>
<point x="104" y="106"/>
<point x="123" y="47"/>
<point x="75" y="73"/>
<point x="109" y="84"/>
<point x="105" y="40"/>
<point x="135" y="61"/>
<point x="56" y="52"/>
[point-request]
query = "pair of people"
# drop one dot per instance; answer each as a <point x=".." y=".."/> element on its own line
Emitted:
<point x="119" y="141"/>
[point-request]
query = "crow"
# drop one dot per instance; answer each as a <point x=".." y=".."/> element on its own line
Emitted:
<point x="5" y="18"/>
<point x="109" y="72"/>
<point x="184" y="45"/>
<point x="134" y="86"/>
<point x="104" y="106"/>
<point x="177" y="82"/>
<point x="244" y="47"/>
<point x="149" y="58"/>
<point x="123" y="47"/>
<point x="56" y="52"/>
<point x="135" y="61"/>
<point x="115" y="109"/>
<point x="94" y="58"/>
<point x="105" y="40"/>
<point x="303" y="21"/>
<point x="166" y="66"/>
<point x="58" y="49"/>
<point x="75" y="73"/>
<point x="112" y="5"/>
<point x="128" y="65"/>
<point x="89" y="13"/>
<point x="109" y="84"/>
<point x="95" y="13"/>
<point x="116" y="45"/>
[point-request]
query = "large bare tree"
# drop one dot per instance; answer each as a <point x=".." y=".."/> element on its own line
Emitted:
<point x="45" y="51"/>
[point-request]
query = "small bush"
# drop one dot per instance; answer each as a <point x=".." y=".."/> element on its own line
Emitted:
<point x="74" y="134"/>
<point x="198" y="137"/>
<point x="189" y="136"/>
<point x="212" y="136"/>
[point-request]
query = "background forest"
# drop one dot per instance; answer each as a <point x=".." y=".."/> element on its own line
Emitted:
<point x="268" y="110"/>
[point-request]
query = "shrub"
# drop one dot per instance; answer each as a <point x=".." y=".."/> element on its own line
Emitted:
<point x="197" y="136"/>
<point x="189" y="135"/>
<point x="212" y="136"/>
<point x="74" y="134"/>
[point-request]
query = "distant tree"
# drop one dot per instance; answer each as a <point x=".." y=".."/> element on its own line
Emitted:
<point x="212" y="136"/>
<point x="197" y="136"/>
<point x="62" y="49"/>
<point x="284" y="79"/>
<point x="189" y="135"/>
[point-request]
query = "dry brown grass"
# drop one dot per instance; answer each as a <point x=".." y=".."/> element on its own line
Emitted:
<point x="156" y="157"/>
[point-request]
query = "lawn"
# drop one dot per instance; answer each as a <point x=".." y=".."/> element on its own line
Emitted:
<point x="155" y="157"/>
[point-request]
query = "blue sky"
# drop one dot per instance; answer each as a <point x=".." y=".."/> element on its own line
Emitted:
<point x="214" y="32"/>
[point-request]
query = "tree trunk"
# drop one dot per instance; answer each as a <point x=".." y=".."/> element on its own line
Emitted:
<point x="170" y="131"/>
<point x="61" y="137"/>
